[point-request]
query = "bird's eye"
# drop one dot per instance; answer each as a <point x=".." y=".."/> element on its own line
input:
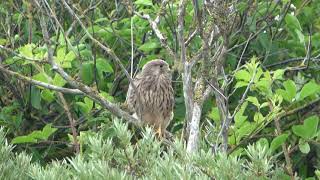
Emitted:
<point x="161" y="66"/>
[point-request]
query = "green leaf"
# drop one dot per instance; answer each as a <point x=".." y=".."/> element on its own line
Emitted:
<point x="27" y="50"/>
<point x="243" y="75"/>
<point x="41" y="77"/>
<point x="144" y="2"/>
<point x="103" y="66"/>
<point x="86" y="54"/>
<point x="101" y="20"/>
<point x="264" y="40"/>
<point x="239" y="118"/>
<point x="267" y="76"/>
<point x="35" y="135"/>
<point x="241" y="6"/>
<point x="215" y="114"/>
<point x="245" y="129"/>
<point x="308" y="129"/>
<point x="292" y="22"/>
<point x="265" y="104"/>
<point x="47" y="95"/>
<point x="299" y="35"/>
<point x="61" y="53"/>
<point x="258" y="117"/>
<point x="309" y="89"/>
<point x="149" y="46"/>
<point x="86" y="106"/>
<point x="63" y="59"/>
<point x="88" y="102"/>
<point x="241" y="84"/>
<point x="107" y="96"/>
<point x="87" y="73"/>
<point x="304" y="147"/>
<point x="23" y="139"/>
<point x="317" y="172"/>
<point x="290" y="91"/>
<point x="264" y="85"/>
<point x="263" y="142"/>
<point x="278" y="141"/>
<point x="47" y="131"/>
<point x="278" y="74"/>
<point x="253" y="100"/>
<point x="83" y="107"/>
<point x="35" y="98"/>
<point x="70" y="56"/>
<point x="58" y="80"/>
<point x="3" y="41"/>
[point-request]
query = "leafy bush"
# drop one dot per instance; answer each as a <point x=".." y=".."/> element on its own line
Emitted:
<point x="115" y="157"/>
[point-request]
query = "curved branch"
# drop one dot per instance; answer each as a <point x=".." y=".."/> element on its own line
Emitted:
<point x="41" y="84"/>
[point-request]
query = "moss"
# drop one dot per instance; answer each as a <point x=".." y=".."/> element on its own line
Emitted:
<point x="199" y="90"/>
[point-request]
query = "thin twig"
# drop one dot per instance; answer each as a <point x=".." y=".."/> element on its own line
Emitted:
<point x="307" y="58"/>
<point x="217" y="89"/>
<point x="290" y="61"/>
<point x="192" y="35"/>
<point x="244" y="95"/>
<point x="72" y="123"/>
<point x="284" y="145"/>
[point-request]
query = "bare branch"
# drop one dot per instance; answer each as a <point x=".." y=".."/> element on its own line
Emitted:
<point x="284" y="145"/>
<point x="194" y="124"/>
<point x="41" y="84"/>
<point x="161" y="11"/>
<point x="290" y="61"/>
<point x="162" y="38"/>
<point x="192" y="35"/>
<point x="186" y="68"/>
<point x="72" y="123"/>
<point x="217" y="89"/>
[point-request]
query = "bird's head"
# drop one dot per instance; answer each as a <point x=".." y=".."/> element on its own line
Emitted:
<point x="156" y="67"/>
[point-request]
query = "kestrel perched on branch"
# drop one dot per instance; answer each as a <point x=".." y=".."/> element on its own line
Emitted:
<point x="151" y="98"/>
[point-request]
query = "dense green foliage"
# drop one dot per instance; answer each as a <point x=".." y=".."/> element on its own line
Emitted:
<point x="114" y="157"/>
<point x="273" y="61"/>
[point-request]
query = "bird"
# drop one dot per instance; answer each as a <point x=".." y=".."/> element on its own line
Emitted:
<point x="151" y="97"/>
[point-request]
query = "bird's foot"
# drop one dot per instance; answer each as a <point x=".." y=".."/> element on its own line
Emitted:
<point x="159" y="132"/>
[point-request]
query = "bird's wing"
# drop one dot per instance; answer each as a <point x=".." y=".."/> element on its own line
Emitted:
<point x="131" y="98"/>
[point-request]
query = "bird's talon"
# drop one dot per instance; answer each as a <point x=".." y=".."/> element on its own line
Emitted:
<point x="159" y="132"/>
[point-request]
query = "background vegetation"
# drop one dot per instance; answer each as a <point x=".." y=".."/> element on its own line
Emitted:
<point x="245" y="74"/>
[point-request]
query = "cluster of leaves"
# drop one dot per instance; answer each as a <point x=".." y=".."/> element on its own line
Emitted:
<point x="111" y="154"/>
<point x="271" y="101"/>
<point x="270" y="96"/>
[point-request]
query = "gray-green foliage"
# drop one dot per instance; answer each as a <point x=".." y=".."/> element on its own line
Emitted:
<point x="115" y="156"/>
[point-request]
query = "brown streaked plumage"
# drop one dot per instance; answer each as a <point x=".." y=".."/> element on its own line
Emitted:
<point x="153" y="86"/>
